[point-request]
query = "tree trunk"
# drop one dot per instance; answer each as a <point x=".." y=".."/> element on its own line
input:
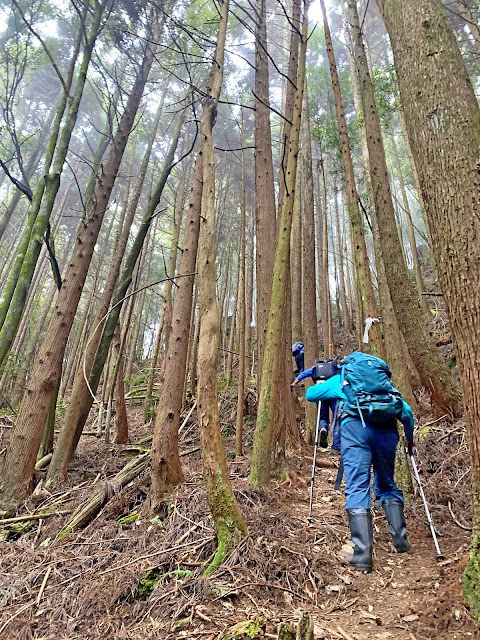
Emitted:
<point x="166" y="469"/>
<point x="394" y="342"/>
<point x="231" y="339"/>
<point x="242" y="311"/>
<point x="12" y="205"/>
<point x="148" y="412"/>
<point x="19" y="460"/>
<point x="296" y="260"/>
<point x="310" y="335"/>
<point x="274" y="349"/>
<point x="434" y="373"/>
<point x="411" y="230"/>
<point x="341" y="275"/>
<point x="328" y="340"/>
<point x="229" y="523"/>
<point x="321" y="277"/>
<point x="366" y="301"/>
<point x="443" y="124"/>
<point x="265" y="213"/>
<point x="80" y="390"/>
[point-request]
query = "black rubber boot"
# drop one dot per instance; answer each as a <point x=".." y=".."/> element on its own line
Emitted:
<point x="361" y="530"/>
<point x="323" y="438"/>
<point x="396" y="524"/>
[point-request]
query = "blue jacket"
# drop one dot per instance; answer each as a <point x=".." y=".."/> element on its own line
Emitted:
<point x="331" y="390"/>
<point x="305" y="374"/>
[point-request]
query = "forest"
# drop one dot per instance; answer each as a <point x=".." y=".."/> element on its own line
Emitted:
<point x="212" y="215"/>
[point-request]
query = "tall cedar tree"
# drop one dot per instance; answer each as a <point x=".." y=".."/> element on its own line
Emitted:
<point x="80" y="394"/>
<point x="166" y="468"/>
<point x="265" y="214"/>
<point x="274" y="346"/>
<point x="434" y="373"/>
<point x="229" y="523"/>
<point x="19" y="461"/>
<point x="309" y="302"/>
<point x="443" y="124"/>
<point x="242" y="309"/>
<point x="366" y="303"/>
<point x="394" y="343"/>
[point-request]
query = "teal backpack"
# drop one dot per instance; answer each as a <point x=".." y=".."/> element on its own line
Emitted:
<point x="371" y="396"/>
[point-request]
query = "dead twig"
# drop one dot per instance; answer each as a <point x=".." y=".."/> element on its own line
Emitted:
<point x="44" y="583"/>
<point x="459" y="524"/>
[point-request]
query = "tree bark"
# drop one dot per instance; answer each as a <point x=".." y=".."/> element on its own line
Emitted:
<point x="265" y="213"/>
<point x="166" y="468"/>
<point x="341" y="275"/>
<point x="310" y="334"/>
<point x="296" y="260"/>
<point x="435" y="376"/>
<point x="242" y="310"/>
<point x="328" y="340"/>
<point x="229" y="523"/>
<point x="394" y="342"/>
<point x="411" y="230"/>
<point x="274" y="350"/>
<point x="443" y="125"/>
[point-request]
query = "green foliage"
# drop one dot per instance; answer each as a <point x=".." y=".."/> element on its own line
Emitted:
<point x="13" y="363"/>
<point x="249" y="630"/>
<point x="137" y="381"/>
<point x="61" y="408"/>
<point x="150" y="578"/>
<point x="384" y="82"/>
<point x="471" y="578"/>
<point x="148" y="582"/>
<point x="130" y="518"/>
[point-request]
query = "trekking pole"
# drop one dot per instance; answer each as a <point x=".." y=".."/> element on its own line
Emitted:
<point x="429" y="519"/>
<point x="317" y="429"/>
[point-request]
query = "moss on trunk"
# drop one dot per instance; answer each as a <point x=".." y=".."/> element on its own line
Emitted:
<point x="471" y="578"/>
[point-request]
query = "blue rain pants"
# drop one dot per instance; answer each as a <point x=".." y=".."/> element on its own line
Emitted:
<point x="363" y="447"/>
<point x="300" y="362"/>
<point x="325" y="407"/>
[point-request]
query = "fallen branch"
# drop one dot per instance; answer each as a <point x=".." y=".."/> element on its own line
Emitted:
<point x="451" y="432"/>
<point x="91" y="508"/>
<point x="459" y="524"/>
<point x="34" y="516"/>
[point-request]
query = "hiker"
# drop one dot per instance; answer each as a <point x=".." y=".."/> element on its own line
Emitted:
<point x="319" y="374"/>
<point x="368" y="414"/>
<point x="298" y="352"/>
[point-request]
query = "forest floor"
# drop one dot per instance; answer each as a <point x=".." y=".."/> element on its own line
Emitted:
<point x="142" y="579"/>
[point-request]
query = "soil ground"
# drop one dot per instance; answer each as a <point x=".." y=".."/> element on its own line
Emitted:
<point x="89" y="585"/>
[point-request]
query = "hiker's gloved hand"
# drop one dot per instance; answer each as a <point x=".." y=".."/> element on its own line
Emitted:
<point x="410" y="448"/>
<point x="292" y="386"/>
